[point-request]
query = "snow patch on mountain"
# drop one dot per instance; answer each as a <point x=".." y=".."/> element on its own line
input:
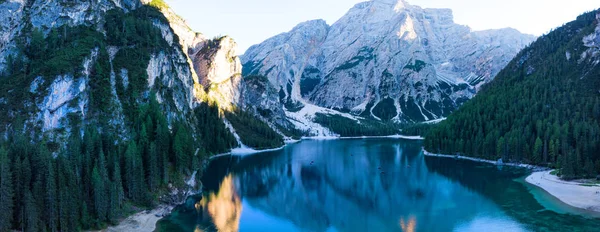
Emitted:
<point x="384" y="49"/>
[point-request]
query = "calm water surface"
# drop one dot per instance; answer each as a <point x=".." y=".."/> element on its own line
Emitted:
<point x="368" y="185"/>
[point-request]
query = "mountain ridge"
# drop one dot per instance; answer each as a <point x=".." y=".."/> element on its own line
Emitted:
<point x="404" y="62"/>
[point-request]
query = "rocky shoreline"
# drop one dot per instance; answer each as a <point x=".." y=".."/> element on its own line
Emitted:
<point x="146" y="220"/>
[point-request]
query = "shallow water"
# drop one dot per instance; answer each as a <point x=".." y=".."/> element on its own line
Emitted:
<point x="368" y="185"/>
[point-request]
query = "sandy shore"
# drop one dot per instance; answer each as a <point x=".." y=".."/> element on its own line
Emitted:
<point x="140" y="222"/>
<point x="571" y="193"/>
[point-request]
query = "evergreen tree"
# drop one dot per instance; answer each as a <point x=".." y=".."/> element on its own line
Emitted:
<point x="152" y="173"/>
<point x="6" y="192"/>
<point x="100" y="198"/>
<point x="163" y="142"/>
<point x="537" y="151"/>
<point x="131" y="166"/>
<point x="30" y="212"/>
<point x="51" y="199"/>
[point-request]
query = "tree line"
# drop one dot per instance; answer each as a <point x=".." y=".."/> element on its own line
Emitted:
<point x="346" y="127"/>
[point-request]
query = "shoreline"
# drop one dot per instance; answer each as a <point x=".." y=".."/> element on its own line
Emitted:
<point x="569" y="192"/>
<point x="527" y="166"/>
<point x="142" y="221"/>
<point x="146" y="220"/>
<point x="364" y="137"/>
<point x="244" y="151"/>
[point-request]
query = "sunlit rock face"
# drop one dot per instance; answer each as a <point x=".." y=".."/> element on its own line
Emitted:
<point x="64" y="98"/>
<point x="219" y="70"/>
<point x="415" y="63"/>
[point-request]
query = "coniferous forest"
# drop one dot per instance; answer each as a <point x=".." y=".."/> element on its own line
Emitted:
<point x="252" y="131"/>
<point x="346" y="127"/>
<point x="94" y="182"/>
<point x="543" y="108"/>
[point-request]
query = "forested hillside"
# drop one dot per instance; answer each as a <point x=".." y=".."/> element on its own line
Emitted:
<point x="543" y="108"/>
<point x="126" y="141"/>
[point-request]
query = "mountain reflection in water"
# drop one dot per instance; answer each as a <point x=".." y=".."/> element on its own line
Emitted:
<point x="344" y="185"/>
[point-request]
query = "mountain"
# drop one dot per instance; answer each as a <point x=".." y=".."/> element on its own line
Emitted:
<point x="109" y="104"/>
<point x="542" y="108"/>
<point x="385" y="60"/>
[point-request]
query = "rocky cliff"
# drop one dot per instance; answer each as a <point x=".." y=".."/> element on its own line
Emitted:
<point x="385" y="59"/>
<point x="172" y="63"/>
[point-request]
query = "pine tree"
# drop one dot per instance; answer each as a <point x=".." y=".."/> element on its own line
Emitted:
<point x="130" y="169"/>
<point x="500" y="148"/>
<point x="100" y="198"/>
<point x="537" y="151"/>
<point x="163" y="143"/>
<point x="85" y="220"/>
<point x="589" y="168"/>
<point x="26" y="180"/>
<point x="6" y="192"/>
<point x="30" y="212"/>
<point x="152" y="174"/>
<point x="119" y="193"/>
<point x="51" y="208"/>
<point x="134" y="173"/>
<point x="180" y="158"/>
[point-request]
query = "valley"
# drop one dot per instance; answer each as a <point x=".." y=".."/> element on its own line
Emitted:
<point x="116" y="115"/>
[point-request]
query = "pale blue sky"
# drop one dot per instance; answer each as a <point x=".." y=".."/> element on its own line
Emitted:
<point x="252" y="21"/>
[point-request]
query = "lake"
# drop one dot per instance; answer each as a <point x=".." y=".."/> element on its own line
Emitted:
<point x="368" y="185"/>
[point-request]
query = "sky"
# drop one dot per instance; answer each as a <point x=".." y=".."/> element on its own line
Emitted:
<point x="250" y="22"/>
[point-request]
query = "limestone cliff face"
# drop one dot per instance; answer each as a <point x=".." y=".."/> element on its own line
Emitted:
<point x="219" y="70"/>
<point x="61" y="99"/>
<point x="592" y="42"/>
<point x="385" y="59"/>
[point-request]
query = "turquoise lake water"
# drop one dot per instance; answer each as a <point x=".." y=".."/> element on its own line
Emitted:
<point x="368" y="185"/>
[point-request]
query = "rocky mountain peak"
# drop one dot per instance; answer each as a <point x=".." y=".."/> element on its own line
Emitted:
<point x="385" y="59"/>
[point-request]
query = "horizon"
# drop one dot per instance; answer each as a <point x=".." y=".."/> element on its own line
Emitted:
<point x="238" y="18"/>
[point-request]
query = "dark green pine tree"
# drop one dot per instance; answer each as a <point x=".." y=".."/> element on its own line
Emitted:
<point x="51" y="199"/>
<point x="67" y="198"/>
<point x="134" y="174"/>
<point x="537" y="151"/>
<point x="6" y="192"/>
<point x="179" y="151"/>
<point x="163" y="143"/>
<point x="25" y="178"/>
<point x="152" y="173"/>
<point x="100" y="198"/>
<point x="30" y="213"/>
<point x="117" y="192"/>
